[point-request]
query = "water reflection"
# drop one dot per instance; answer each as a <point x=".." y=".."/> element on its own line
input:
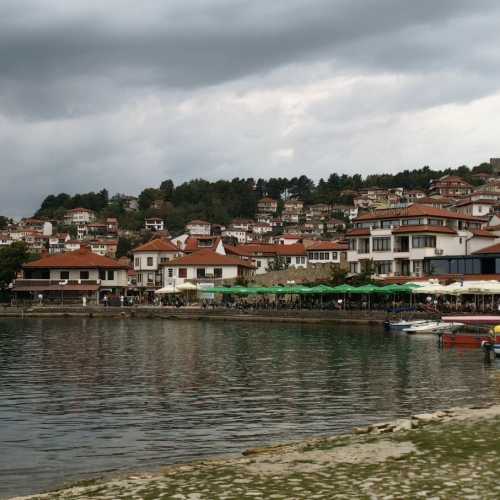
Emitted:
<point x="85" y="396"/>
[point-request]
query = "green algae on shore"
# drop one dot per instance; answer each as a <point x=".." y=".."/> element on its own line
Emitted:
<point x="446" y="455"/>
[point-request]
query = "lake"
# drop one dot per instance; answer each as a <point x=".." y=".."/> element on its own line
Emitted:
<point x="81" y="397"/>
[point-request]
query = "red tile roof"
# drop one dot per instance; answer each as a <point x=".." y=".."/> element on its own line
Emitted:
<point x="79" y="259"/>
<point x="157" y="245"/>
<point x="483" y="233"/>
<point x="192" y="243"/>
<point x="209" y="258"/>
<point x="491" y="249"/>
<point x="415" y="211"/>
<point x="328" y="245"/>
<point x="423" y="229"/>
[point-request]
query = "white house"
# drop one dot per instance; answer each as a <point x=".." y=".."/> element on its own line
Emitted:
<point x="154" y="224"/>
<point x="199" y="228"/>
<point x="327" y="252"/>
<point x="149" y="260"/>
<point x="77" y="216"/>
<point x="397" y="241"/>
<point x="241" y="235"/>
<point x="206" y="266"/>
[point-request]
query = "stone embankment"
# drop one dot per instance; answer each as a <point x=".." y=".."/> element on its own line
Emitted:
<point x="452" y="454"/>
<point x="199" y="313"/>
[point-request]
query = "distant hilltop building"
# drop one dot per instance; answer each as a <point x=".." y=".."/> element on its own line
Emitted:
<point x="495" y="163"/>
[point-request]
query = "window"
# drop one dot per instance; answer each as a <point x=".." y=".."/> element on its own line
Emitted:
<point x="183" y="272"/>
<point x="383" y="266"/>
<point x="288" y="260"/>
<point x="334" y="255"/>
<point x="139" y="278"/>
<point x="200" y="272"/>
<point x="163" y="260"/>
<point x="150" y="261"/>
<point x="364" y="245"/>
<point x="426" y="241"/>
<point x="436" y="222"/>
<point x="412" y="222"/>
<point x="84" y="275"/>
<point x="217" y="272"/>
<point x="102" y="274"/>
<point x="381" y="244"/>
<point x="64" y="275"/>
<point x="259" y="264"/>
<point x="353" y="267"/>
<point x="137" y="262"/>
<point x="352" y="244"/>
<point x="170" y="273"/>
<point x="111" y="275"/>
<point x="386" y="224"/>
<point x="417" y="266"/>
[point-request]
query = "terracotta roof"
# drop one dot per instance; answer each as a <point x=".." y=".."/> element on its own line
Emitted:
<point x="362" y="231"/>
<point x="80" y="209"/>
<point x="79" y="259"/>
<point x="483" y="233"/>
<point x="157" y="245"/>
<point x="328" y="245"/>
<point x="471" y="202"/>
<point x="423" y="229"/>
<point x="267" y="200"/>
<point x="209" y="258"/>
<point x="192" y="243"/>
<point x="417" y="210"/>
<point x="491" y="249"/>
<point x="238" y="250"/>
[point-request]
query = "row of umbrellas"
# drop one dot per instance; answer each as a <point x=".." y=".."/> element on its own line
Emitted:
<point x="462" y="288"/>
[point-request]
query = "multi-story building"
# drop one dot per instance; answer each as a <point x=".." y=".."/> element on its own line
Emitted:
<point x="396" y="242"/>
<point x="267" y="206"/>
<point x="72" y="276"/>
<point x="450" y="186"/>
<point x="206" y="267"/>
<point x="327" y="252"/>
<point x="240" y="235"/>
<point x="199" y="228"/>
<point x="78" y="216"/>
<point x="154" y="224"/>
<point x="318" y="212"/>
<point x="149" y="261"/>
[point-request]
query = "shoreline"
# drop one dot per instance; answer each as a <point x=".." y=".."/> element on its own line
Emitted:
<point x="198" y="313"/>
<point x="445" y="454"/>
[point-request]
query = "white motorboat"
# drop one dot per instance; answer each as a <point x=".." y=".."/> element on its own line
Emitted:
<point x="433" y="327"/>
<point x="403" y="323"/>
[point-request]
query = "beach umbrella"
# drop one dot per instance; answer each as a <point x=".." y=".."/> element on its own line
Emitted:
<point x="166" y="290"/>
<point x="366" y="289"/>
<point x="185" y="287"/>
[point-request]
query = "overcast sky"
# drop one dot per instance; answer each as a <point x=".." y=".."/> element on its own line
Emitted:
<point x="123" y="94"/>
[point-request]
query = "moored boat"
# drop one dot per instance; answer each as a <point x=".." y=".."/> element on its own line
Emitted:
<point x="433" y="327"/>
<point x="403" y="323"/>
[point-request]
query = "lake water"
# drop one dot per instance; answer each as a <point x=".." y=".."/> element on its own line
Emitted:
<point x="81" y="397"/>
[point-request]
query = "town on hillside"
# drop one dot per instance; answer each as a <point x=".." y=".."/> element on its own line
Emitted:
<point x="450" y="229"/>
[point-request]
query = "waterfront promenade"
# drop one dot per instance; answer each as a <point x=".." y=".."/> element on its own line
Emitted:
<point x="452" y="454"/>
<point x="200" y="313"/>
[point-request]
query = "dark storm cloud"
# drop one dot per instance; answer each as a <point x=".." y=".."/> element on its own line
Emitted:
<point x="192" y="44"/>
<point x="122" y="93"/>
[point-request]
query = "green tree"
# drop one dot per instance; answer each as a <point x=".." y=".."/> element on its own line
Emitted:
<point x="124" y="247"/>
<point x="3" y="222"/>
<point x="12" y="258"/>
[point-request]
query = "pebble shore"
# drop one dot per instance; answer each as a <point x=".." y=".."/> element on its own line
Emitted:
<point x="451" y="454"/>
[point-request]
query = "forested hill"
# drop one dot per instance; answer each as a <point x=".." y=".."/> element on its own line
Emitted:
<point x="222" y="200"/>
